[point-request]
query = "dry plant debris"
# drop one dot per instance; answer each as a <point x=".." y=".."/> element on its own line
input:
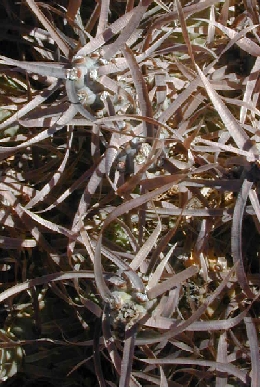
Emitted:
<point x="129" y="193"/>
